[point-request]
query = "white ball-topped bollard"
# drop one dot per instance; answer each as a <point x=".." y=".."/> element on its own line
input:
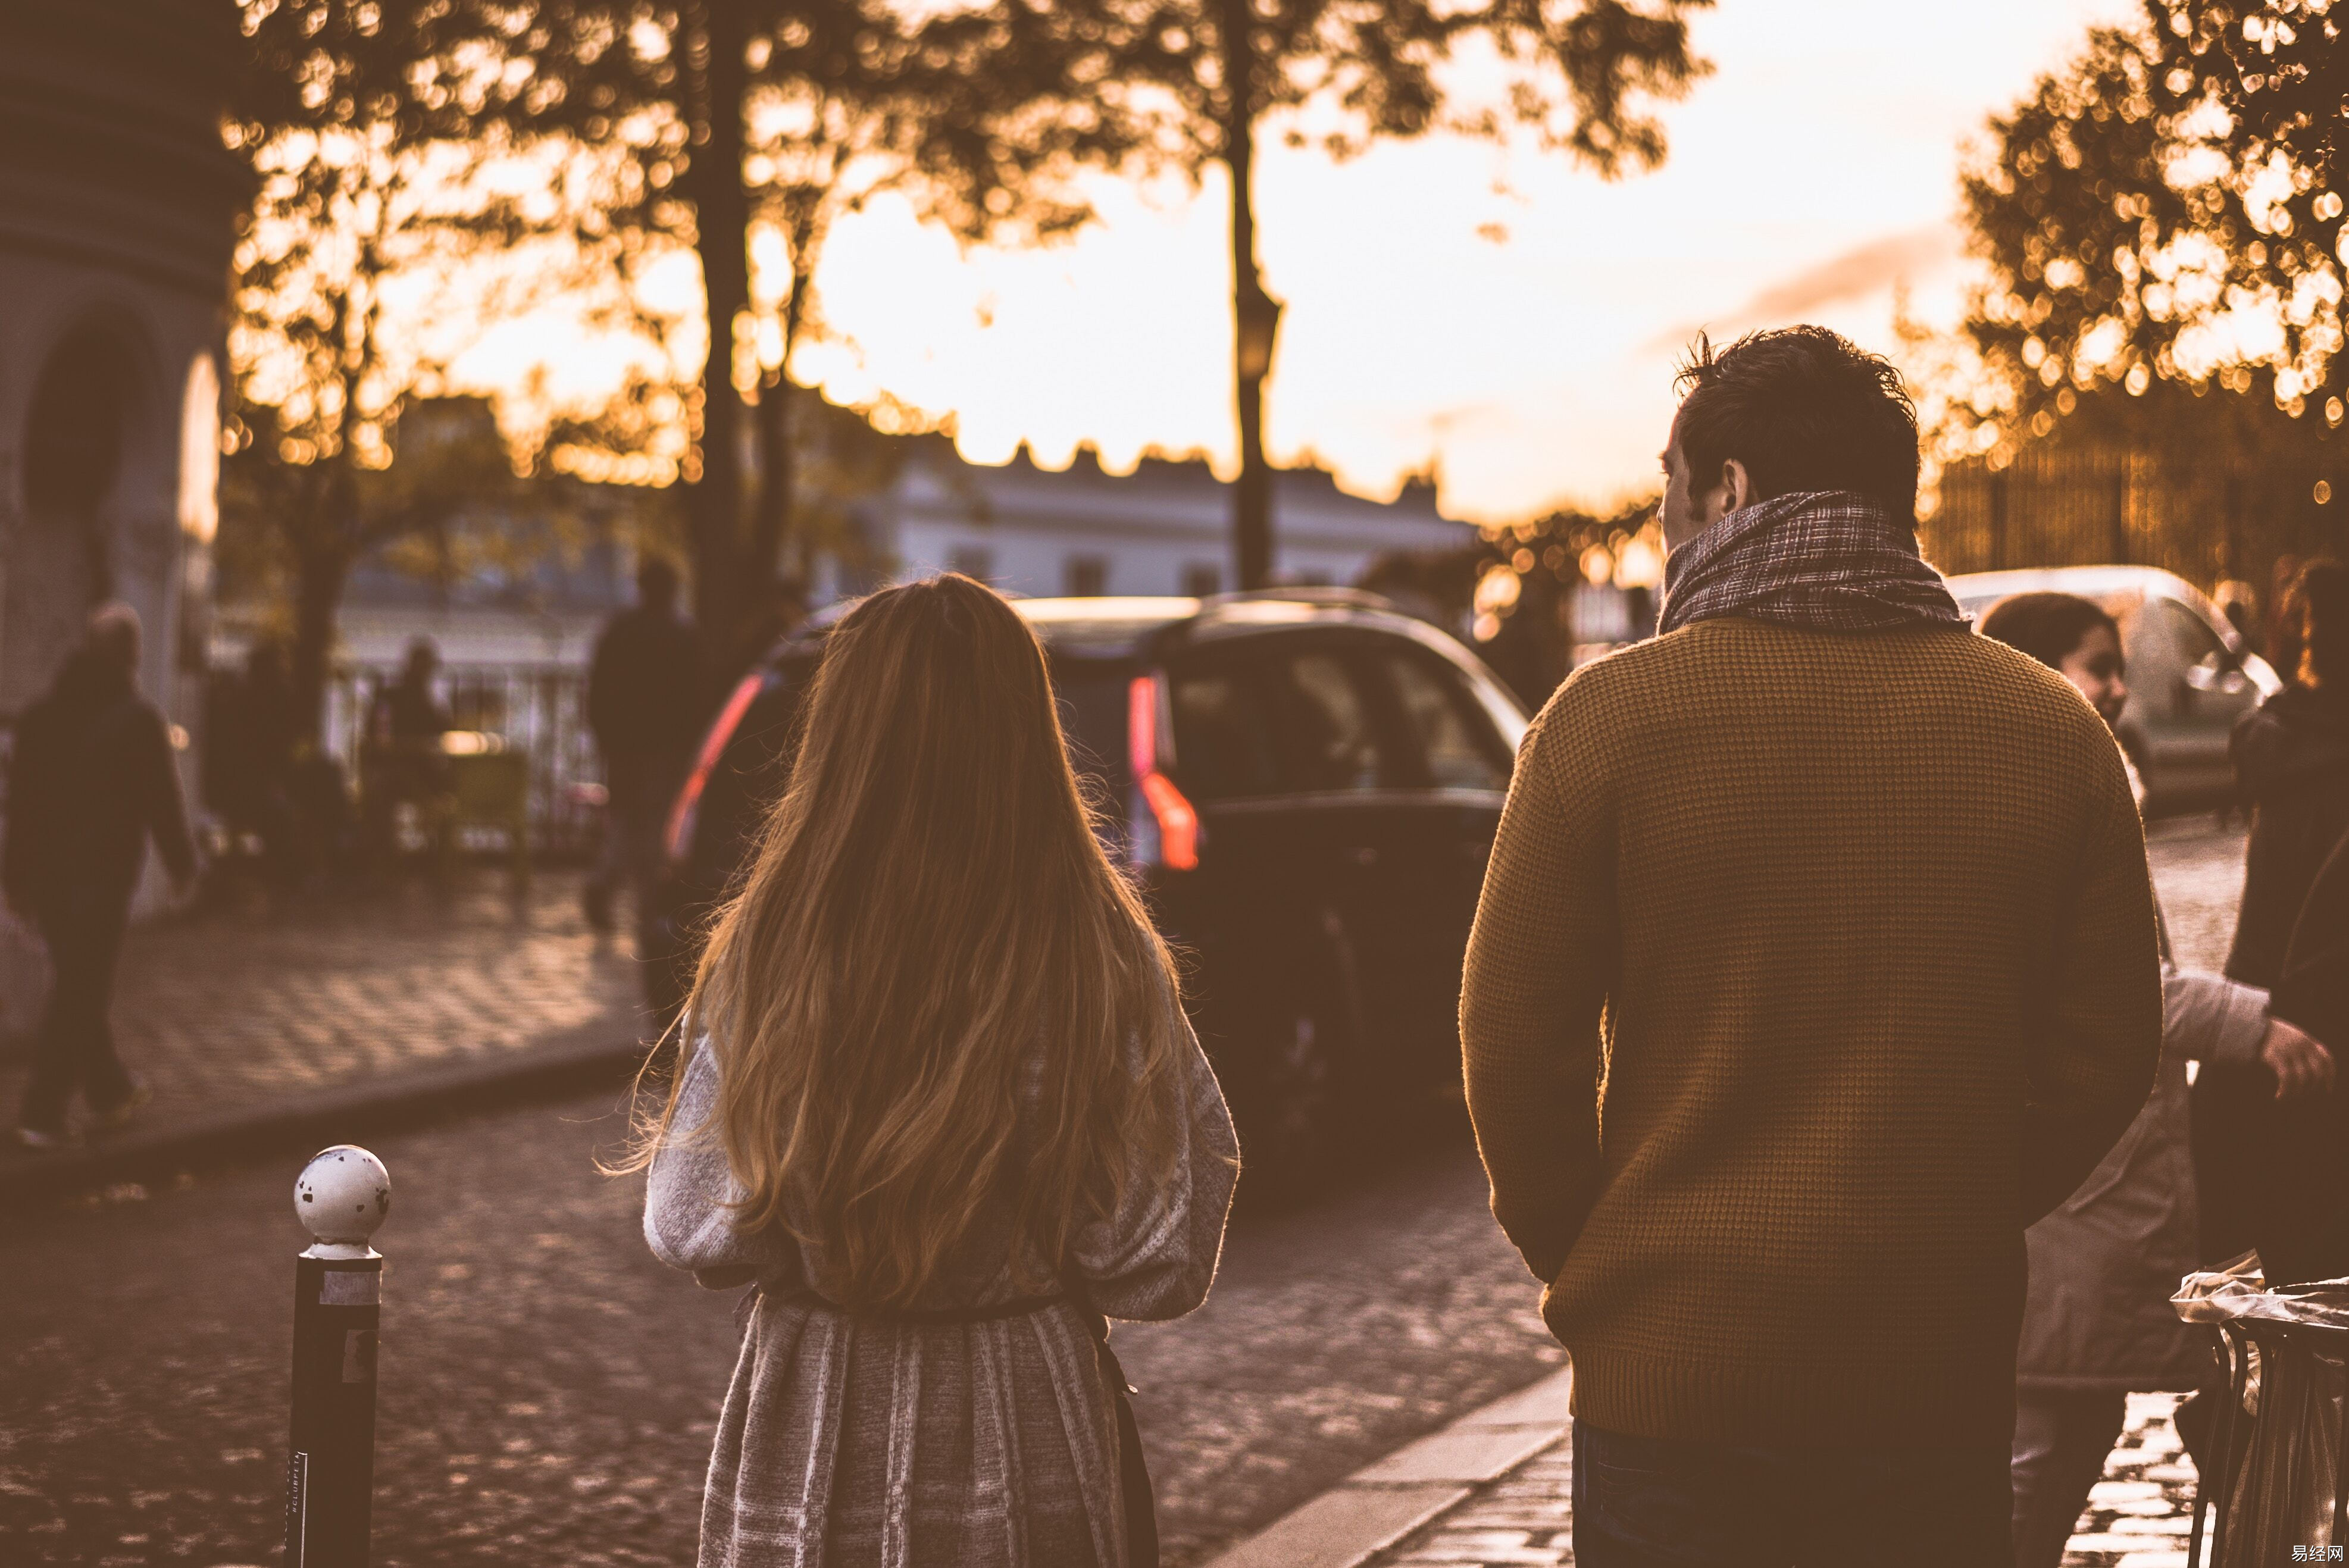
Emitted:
<point x="342" y="1196"/>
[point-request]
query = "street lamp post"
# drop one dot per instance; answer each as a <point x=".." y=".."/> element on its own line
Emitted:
<point x="1255" y="318"/>
<point x="342" y="1196"/>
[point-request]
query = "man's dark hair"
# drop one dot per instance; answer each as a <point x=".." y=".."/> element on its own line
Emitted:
<point x="1804" y="410"/>
<point x="2050" y="627"/>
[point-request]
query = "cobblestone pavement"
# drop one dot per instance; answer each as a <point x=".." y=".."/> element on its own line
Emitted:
<point x="549" y="1390"/>
<point x="2198" y="866"/>
<point x="242" y="1005"/>
<point x="2138" y="1516"/>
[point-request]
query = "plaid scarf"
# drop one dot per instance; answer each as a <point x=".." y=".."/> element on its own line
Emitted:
<point x="1832" y="561"/>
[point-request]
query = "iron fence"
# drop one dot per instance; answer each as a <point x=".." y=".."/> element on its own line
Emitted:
<point x="539" y="711"/>
<point x="2199" y="515"/>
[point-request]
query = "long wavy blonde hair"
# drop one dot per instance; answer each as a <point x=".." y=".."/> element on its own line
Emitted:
<point x="929" y="921"/>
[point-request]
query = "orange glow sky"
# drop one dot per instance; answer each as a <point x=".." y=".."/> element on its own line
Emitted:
<point x="1814" y="169"/>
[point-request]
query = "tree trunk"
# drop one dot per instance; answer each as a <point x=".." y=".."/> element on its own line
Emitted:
<point x="319" y="574"/>
<point x="777" y="460"/>
<point x="721" y="239"/>
<point x="1252" y="497"/>
<point x="776" y="474"/>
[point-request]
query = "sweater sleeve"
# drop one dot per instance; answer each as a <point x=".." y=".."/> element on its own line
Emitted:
<point x="689" y="1190"/>
<point x="1155" y="1257"/>
<point x="2088" y="1071"/>
<point x="1540" y="957"/>
<point x="2210" y="1018"/>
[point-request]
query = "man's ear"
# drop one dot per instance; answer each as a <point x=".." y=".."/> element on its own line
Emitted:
<point x="1738" y="483"/>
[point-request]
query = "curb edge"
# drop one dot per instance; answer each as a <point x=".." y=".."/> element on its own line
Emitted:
<point x="1386" y="1500"/>
<point x="581" y="1059"/>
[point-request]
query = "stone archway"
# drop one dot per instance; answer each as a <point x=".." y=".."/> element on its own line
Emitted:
<point x="62" y="559"/>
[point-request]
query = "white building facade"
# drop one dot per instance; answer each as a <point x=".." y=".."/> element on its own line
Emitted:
<point x="1166" y="528"/>
<point x="117" y="206"/>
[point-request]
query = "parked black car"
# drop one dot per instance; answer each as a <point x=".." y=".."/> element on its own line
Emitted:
<point x="1307" y="784"/>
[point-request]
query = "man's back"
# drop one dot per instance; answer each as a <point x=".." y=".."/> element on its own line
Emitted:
<point x="643" y="692"/>
<point x="1869" y="920"/>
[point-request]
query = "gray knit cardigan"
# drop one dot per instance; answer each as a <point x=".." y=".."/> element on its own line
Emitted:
<point x="848" y="1442"/>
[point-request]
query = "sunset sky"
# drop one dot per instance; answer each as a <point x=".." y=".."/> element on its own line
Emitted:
<point x="1814" y="171"/>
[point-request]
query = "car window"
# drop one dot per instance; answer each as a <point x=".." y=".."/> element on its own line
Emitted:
<point x="1222" y="746"/>
<point x="1321" y="727"/>
<point x="2191" y="640"/>
<point x="1454" y="737"/>
<point x="1092" y="697"/>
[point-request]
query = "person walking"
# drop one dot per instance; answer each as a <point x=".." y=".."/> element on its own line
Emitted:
<point x="2292" y="772"/>
<point x="403" y="760"/>
<point x="92" y="780"/>
<point x="2097" y="1324"/>
<point x="2301" y="1225"/>
<point x="251" y="728"/>
<point x="645" y="706"/>
<point x="1815" y="959"/>
<point x="942" y="1105"/>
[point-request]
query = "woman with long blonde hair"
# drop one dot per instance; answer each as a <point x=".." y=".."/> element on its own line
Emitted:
<point x="941" y="1105"/>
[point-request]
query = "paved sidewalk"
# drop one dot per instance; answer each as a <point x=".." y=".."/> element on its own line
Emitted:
<point x="257" y="1006"/>
<point x="2138" y="1516"/>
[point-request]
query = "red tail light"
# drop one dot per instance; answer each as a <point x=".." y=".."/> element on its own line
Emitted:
<point x="1178" y="823"/>
<point x="678" y="842"/>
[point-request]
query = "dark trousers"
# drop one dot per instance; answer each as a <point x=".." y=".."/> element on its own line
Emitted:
<point x="642" y="791"/>
<point x="74" y="1047"/>
<point x="1647" y="1502"/>
<point x="2061" y="1438"/>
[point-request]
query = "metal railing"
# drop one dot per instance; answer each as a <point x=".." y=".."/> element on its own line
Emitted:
<point x="540" y="712"/>
<point x="2199" y="515"/>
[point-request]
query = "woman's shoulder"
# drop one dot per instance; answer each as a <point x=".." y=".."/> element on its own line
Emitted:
<point x="2294" y="732"/>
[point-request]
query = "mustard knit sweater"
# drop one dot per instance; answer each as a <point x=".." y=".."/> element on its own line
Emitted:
<point x="1810" y="968"/>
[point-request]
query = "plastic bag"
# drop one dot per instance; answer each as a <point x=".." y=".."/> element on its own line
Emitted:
<point x="2241" y="1290"/>
<point x="2276" y="1486"/>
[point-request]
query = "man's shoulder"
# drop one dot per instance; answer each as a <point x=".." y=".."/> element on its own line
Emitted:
<point x="1730" y="664"/>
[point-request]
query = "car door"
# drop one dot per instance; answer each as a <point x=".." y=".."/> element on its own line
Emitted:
<point x="1438" y="835"/>
<point x="1281" y="748"/>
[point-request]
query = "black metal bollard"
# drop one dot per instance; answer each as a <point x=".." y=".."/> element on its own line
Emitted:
<point x="342" y="1196"/>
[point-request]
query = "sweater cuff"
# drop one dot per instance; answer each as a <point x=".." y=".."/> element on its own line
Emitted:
<point x="2242" y="1025"/>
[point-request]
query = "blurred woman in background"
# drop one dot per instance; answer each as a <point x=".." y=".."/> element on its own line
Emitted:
<point x="942" y="1108"/>
<point x="2291" y="775"/>
<point x="2097" y="1324"/>
<point x="2301" y="1229"/>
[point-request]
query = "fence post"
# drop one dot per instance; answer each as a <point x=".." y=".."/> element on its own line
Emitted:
<point x="2117" y="523"/>
<point x="341" y="1196"/>
<point x="1998" y="520"/>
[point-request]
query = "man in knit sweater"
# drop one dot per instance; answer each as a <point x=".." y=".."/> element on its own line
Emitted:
<point x="1815" y="959"/>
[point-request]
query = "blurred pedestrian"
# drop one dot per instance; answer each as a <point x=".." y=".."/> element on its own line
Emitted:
<point x="250" y="729"/>
<point x="1838" y="916"/>
<point x="404" y="763"/>
<point x="2097" y="1324"/>
<point x="775" y="616"/>
<point x="2302" y="1225"/>
<point x="93" y="779"/>
<point x="2240" y="602"/>
<point x="943" y="1106"/>
<point x="645" y="705"/>
<point x="2291" y="774"/>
